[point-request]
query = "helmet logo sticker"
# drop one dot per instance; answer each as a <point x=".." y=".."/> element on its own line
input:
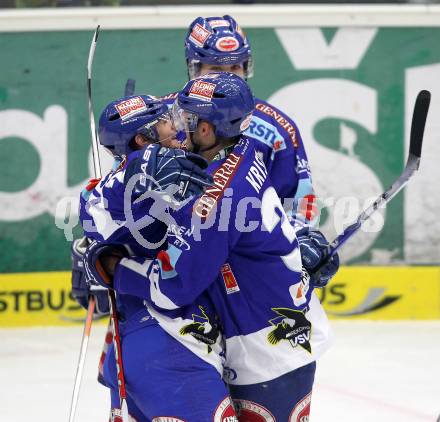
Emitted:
<point x="246" y="122"/>
<point x="199" y="35"/>
<point x="227" y="44"/>
<point x="202" y="90"/>
<point x="215" y="23"/>
<point x="130" y="107"/>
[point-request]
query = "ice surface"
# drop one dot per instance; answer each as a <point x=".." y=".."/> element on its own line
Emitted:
<point x="376" y="371"/>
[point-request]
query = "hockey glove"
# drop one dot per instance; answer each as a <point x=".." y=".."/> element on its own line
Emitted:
<point x="175" y="173"/>
<point x="314" y="254"/>
<point x="100" y="261"/>
<point x="81" y="290"/>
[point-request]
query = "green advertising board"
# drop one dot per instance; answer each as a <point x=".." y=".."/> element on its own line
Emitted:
<point x="350" y="91"/>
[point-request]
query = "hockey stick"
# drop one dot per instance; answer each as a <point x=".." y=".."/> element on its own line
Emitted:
<point x="112" y="297"/>
<point x="420" y="114"/>
<point x="94" y="135"/>
<point x="82" y="359"/>
<point x="129" y="87"/>
<point x="97" y="174"/>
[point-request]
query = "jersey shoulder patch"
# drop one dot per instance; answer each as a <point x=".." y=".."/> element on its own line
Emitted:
<point x="266" y="132"/>
<point x="281" y="121"/>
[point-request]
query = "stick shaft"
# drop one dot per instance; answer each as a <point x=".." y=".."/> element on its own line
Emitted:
<point x="81" y="359"/>
<point x="112" y="296"/>
<point x="93" y="133"/>
<point x="98" y="174"/>
<point x="380" y="202"/>
<point x="418" y="122"/>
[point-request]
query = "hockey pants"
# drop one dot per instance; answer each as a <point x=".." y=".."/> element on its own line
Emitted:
<point x="167" y="382"/>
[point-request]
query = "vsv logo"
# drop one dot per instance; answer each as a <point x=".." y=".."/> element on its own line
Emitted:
<point x="301" y="339"/>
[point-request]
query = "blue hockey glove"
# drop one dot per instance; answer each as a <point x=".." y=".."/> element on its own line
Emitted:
<point x="177" y="174"/>
<point x="99" y="261"/>
<point x="81" y="290"/>
<point x="314" y="254"/>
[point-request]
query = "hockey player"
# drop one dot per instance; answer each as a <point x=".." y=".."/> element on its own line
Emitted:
<point x="219" y="44"/>
<point x="206" y="49"/>
<point x="125" y="126"/>
<point x="143" y="120"/>
<point x="262" y="297"/>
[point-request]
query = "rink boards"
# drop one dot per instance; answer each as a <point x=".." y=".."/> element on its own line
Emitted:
<point x="355" y="86"/>
<point x="355" y="71"/>
<point x="375" y="293"/>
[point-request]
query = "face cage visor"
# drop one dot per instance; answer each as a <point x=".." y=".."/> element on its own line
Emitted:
<point x="184" y="122"/>
<point x="150" y="131"/>
<point x="195" y="68"/>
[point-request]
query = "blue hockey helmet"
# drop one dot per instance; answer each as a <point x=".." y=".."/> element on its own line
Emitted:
<point x="127" y="117"/>
<point x="220" y="98"/>
<point x="217" y="41"/>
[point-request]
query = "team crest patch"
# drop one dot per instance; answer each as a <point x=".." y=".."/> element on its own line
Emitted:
<point x="225" y="411"/>
<point x="202" y="90"/>
<point x="301" y="412"/>
<point x="248" y="411"/>
<point x="130" y="107"/>
<point x="229" y="279"/>
<point x="227" y="44"/>
<point x="292" y="326"/>
<point x="199" y="35"/>
<point x="202" y="329"/>
<point x="246" y="122"/>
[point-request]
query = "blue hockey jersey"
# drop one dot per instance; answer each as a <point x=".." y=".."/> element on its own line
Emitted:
<point x="285" y="158"/>
<point x="233" y="262"/>
<point x="280" y="146"/>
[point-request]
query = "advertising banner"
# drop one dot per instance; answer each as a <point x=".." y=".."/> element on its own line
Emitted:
<point x="371" y="293"/>
<point x="350" y="91"/>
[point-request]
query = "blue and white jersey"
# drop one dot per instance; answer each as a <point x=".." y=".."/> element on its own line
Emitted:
<point x="232" y="262"/>
<point x="108" y="215"/>
<point x="285" y="158"/>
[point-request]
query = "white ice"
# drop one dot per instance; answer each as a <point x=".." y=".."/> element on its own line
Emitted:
<point x="376" y="371"/>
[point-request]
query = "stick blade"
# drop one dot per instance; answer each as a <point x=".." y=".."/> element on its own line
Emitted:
<point x="129" y="87"/>
<point x="420" y="113"/>
<point x="97" y="33"/>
